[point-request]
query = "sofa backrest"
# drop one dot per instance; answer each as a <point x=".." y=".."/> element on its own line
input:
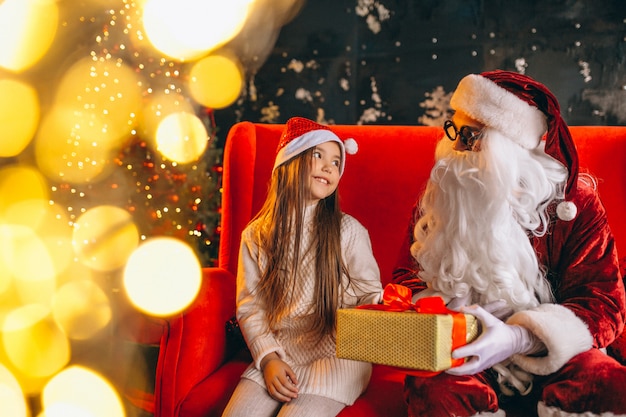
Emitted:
<point x="383" y="179"/>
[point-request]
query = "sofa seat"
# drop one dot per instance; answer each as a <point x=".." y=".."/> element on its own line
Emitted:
<point x="198" y="366"/>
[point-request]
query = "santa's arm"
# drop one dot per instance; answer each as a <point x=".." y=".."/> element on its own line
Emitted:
<point x="589" y="308"/>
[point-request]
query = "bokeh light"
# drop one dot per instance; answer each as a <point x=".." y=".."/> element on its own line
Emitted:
<point x="163" y="276"/>
<point x="187" y="29"/>
<point x="94" y="112"/>
<point x="74" y="147"/>
<point x="157" y="107"/>
<point x="20" y="183"/>
<point x="216" y="81"/>
<point x="181" y="137"/>
<point x="19" y="115"/>
<point x="104" y="237"/>
<point x="34" y="281"/>
<point x="27" y="29"/>
<point x="33" y="342"/>
<point x="81" y="309"/>
<point x="80" y="392"/>
<point x="12" y="401"/>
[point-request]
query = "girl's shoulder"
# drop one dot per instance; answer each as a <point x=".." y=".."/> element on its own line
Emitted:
<point x="252" y="229"/>
<point x="350" y="223"/>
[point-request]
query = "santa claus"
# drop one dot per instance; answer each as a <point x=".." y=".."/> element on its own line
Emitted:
<point x="509" y="231"/>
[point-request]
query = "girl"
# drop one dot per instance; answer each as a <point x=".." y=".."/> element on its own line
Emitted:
<point x="301" y="259"/>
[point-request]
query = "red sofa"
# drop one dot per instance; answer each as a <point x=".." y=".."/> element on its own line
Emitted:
<point x="197" y="371"/>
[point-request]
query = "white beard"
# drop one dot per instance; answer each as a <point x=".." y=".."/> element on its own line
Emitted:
<point x="477" y="214"/>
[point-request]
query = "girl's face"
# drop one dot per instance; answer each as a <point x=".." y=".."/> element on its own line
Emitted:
<point x="324" y="175"/>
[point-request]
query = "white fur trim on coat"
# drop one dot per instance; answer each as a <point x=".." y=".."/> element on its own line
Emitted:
<point x="545" y="411"/>
<point x="562" y="332"/>
<point x="485" y="101"/>
<point x="499" y="413"/>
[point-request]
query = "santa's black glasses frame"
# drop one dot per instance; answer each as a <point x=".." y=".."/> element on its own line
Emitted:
<point x="468" y="135"/>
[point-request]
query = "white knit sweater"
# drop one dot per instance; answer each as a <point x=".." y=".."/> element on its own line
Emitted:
<point x="314" y="362"/>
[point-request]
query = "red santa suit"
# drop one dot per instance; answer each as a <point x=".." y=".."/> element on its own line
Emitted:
<point x="574" y="376"/>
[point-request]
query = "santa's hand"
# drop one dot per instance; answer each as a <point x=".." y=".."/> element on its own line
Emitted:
<point x="498" y="341"/>
<point x="499" y="308"/>
<point x="457" y="302"/>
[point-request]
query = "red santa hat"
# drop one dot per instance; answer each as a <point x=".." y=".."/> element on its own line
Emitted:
<point x="301" y="134"/>
<point x="524" y="110"/>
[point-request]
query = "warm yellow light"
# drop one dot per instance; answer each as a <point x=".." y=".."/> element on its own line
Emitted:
<point x="75" y="147"/>
<point x="12" y="401"/>
<point x="20" y="183"/>
<point x="81" y="309"/>
<point x="105" y="91"/>
<point x="34" y="281"/>
<point x="80" y="392"/>
<point x="187" y="29"/>
<point x="163" y="276"/>
<point x="104" y="237"/>
<point x="216" y="81"/>
<point x="27" y="29"/>
<point x="19" y="115"/>
<point x="157" y="107"/>
<point x="181" y="137"/>
<point x="33" y="342"/>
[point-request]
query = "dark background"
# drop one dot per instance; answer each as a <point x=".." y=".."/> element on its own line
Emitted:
<point x="397" y="61"/>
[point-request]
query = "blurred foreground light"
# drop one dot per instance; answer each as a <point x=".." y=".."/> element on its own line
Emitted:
<point x="35" y="281"/>
<point x="216" y="81"/>
<point x="81" y="308"/>
<point x="20" y="183"/>
<point x="104" y="237"/>
<point x="74" y="147"/>
<point x="187" y="29"/>
<point x="108" y="91"/>
<point x="163" y="276"/>
<point x="80" y="392"/>
<point x="12" y="401"/>
<point x="19" y="115"/>
<point x="181" y="137"/>
<point x="27" y="29"/>
<point x="33" y="342"/>
<point x="159" y="106"/>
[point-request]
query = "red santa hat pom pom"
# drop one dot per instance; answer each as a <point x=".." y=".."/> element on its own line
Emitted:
<point x="351" y="146"/>
<point x="566" y="210"/>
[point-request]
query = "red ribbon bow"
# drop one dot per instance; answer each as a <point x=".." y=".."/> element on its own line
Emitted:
<point x="399" y="298"/>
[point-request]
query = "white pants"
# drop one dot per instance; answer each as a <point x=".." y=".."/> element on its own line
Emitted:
<point x="252" y="400"/>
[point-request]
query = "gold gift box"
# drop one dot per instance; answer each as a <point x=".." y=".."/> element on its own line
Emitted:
<point x="404" y="339"/>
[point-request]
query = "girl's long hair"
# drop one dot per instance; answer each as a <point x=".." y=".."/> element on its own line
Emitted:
<point x="280" y="236"/>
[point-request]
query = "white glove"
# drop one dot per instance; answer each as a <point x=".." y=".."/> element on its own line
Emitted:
<point x="457" y="303"/>
<point x="499" y="308"/>
<point x="498" y="341"/>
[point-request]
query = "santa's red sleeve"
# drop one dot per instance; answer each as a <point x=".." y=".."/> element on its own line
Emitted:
<point x="583" y="269"/>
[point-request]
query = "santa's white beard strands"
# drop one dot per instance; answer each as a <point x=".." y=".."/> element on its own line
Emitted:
<point x="472" y="240"/>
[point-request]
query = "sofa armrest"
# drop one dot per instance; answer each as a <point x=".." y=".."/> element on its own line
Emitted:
<point x="195" y="344"/>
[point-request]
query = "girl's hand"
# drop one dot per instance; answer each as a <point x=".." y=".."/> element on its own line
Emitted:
<point x="279" y="378"/>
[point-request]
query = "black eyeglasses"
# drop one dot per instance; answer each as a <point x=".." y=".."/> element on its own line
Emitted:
<point x="468" y="135"/>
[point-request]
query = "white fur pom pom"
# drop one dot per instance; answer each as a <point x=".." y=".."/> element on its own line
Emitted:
<point x="351" y="146"/>
<point x="566" y="210"/>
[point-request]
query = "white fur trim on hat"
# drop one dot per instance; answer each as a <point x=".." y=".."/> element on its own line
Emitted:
<point x="494" y="106"/>
<point x="307" y="141"/>
<point x="563" y="333"/>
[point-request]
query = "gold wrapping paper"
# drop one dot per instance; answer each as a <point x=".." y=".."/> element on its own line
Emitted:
<point x="404" y="339"/>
